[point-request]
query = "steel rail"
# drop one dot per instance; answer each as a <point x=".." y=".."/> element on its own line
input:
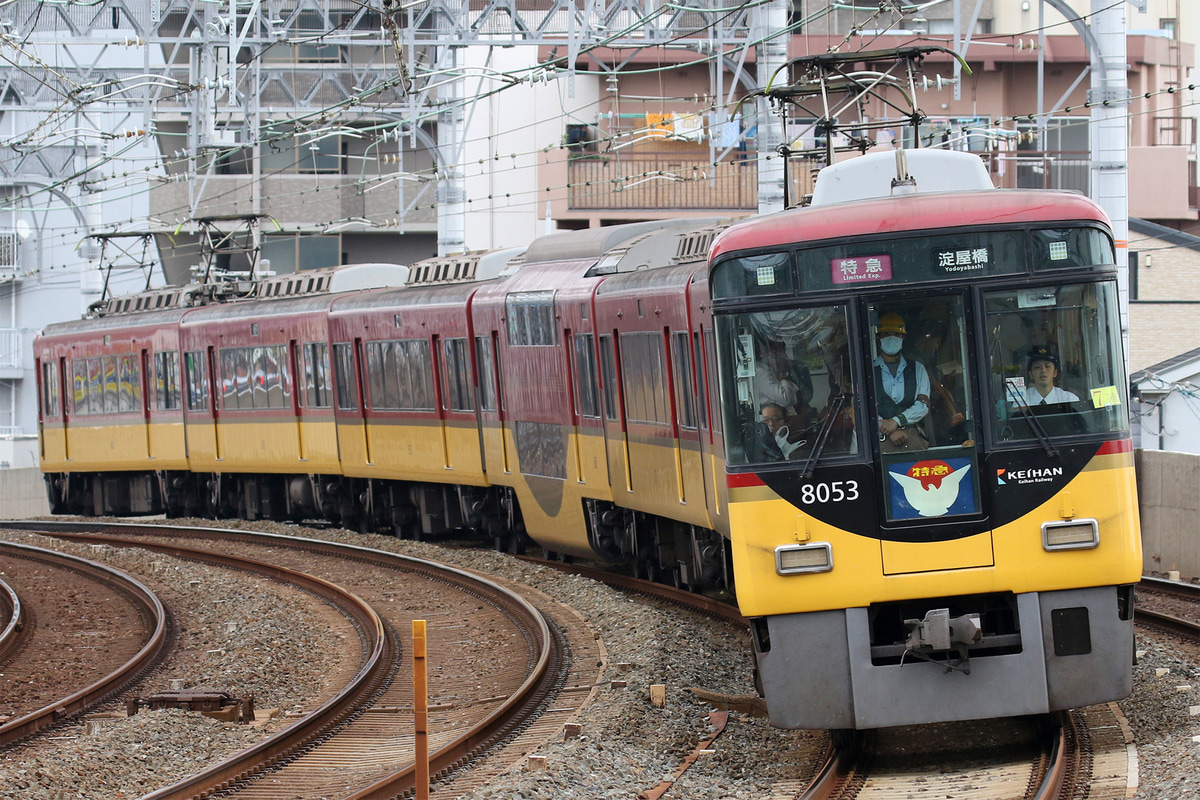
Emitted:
<point x="1189" y="591"/>
<point x="1062" y="760"/>
<point x="146" y="603"/>
<point x="696" y="602"/>
<point x="371" y="674"/>
<point x="1183" y="628"/>
<point x="11" y="604"/>
<point x="518" y="708"/>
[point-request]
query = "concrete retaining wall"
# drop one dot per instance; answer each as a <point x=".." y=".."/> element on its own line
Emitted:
<point x="22" y="494"/>
<point x="1169" y="496"/>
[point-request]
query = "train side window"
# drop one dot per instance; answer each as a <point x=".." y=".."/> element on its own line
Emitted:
<point x="685" y="396"/>
<point x="166" y="380"/>
<point x="197" y="380"/>
<point x="458" y="395"/>
<point x="79" y="386"/>
<point x="710" y="362"/>
<point x="585" y="376"/>
<point x="316" y="374"/>
<point x="95" y="386"/>
<point x="260" y="377"/>
<point x="530" y="317"/>
<point x="111" y="377"/>
<point x="380" y="375"/>
<point x="608" y="376"/>
<point x="644" y="370"/>
<point x="270" y="380"/>
<point x="129" y="390"/>
<point x="485" y="358"/>
<point x="418" y="375"/>
<point x="50" y="406"/>
<point x="344" y="379"/>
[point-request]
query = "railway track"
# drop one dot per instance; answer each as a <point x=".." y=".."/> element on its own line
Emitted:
<point x="1177" y="612"/>
<point x="1056" y="758"/>
<point x="287" y="763"/>
<point x="138" y="602"/>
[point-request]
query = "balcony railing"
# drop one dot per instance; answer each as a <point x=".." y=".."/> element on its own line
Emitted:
<point x="664" y="182"/>
<point x="650" y="181"/>
<point x="12" y="349"/>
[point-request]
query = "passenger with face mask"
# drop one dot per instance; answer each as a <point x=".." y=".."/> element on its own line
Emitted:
<point x="901" y="389"/>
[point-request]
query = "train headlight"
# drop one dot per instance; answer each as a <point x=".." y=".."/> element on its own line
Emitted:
<point x="794" y="558"/>
<point x="1077" y="534"/>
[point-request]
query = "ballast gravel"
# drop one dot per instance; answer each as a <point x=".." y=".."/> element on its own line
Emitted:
<point x="279" y="650"/>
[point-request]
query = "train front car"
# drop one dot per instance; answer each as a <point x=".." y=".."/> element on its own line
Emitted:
<point x="931" y="490"/>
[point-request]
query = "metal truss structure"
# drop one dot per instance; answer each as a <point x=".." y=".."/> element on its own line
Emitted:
<point x="225" y="67"/>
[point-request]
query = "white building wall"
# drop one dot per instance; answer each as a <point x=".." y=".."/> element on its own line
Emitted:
<point x="507" y="133"/>
<point x="58" y="271"/>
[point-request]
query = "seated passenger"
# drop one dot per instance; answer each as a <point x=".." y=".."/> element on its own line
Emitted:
<point x="778" y="380"/>
<point x="774" y="439"/>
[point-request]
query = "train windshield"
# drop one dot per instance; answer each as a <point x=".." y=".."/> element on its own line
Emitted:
<point x="791" y="385"/>
<point x="1055" y="361"/>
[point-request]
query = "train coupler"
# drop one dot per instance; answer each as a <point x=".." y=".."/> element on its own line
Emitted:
<point x="938" y="632"/>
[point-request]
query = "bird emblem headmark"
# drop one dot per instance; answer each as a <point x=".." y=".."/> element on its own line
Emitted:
<point x="931" y="487"/>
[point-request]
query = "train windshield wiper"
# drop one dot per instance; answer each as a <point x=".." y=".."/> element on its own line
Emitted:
<point x="810" y="463"/>
<point x="1034" y="424"/>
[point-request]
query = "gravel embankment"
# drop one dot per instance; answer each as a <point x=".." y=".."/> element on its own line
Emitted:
<point x="627" y="745"/>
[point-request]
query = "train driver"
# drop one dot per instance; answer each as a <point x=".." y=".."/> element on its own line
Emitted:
<point x="1043" y="369"/>
<point x="901" y="389"/>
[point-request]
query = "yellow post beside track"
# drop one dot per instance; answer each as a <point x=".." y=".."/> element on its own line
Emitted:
<point x="420" y="710"/>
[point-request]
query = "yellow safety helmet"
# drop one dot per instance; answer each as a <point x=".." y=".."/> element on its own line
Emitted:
<point x="891" y="322"/>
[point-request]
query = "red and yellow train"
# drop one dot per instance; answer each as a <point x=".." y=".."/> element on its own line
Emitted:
<point x="712" y="403"/>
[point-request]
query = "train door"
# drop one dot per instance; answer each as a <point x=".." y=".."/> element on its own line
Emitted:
<point x="67" y="407"/>
<point x="502" y="402"/>
<point x="714" y="456"/>
<point x="921" y="368"/>
<point x="297" y="393"/>
<point x="440" y="399"/>
<point x="217" y="399"/>
<point x="573" y="389"/>
<point x="151" y="386"/>
<point x="615" y="436"/>
<point x="353" y="445"/>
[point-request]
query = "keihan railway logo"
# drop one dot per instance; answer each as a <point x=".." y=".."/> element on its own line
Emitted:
<point x="1022" y="477"/>
<point x="931" y="488"/>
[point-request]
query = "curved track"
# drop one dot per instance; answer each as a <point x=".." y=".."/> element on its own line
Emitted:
<point x="145" y="603"/>
<point x="236" y="774"/>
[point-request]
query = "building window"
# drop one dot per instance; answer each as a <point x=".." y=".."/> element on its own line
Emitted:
<point x="289" y="254"/>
